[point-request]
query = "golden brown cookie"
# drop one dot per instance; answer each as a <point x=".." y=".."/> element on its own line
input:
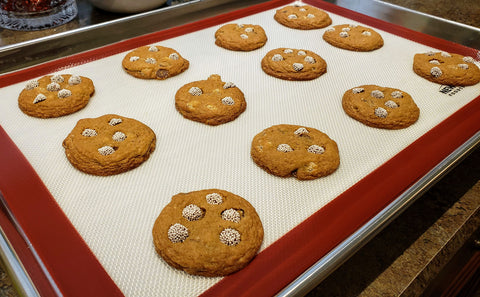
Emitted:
<point x="108" y="145"/>
<point x="55" y="95"/>
<point x="353" y="38"/>
<point x="380" y="107"/>
<point x="293" y="64"/>
<point x="240" y="37"/>
<point x="447" y="69"/>
<point x="303" y="152"/>
<point x="212" y="101"/>
<point x="208" y="232"/>
<point x="154" y="62"/>
<point x="304" y="17"/>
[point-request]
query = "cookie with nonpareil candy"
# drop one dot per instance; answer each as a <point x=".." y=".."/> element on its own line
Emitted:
<point x="208" y="232"/>
<point x="154" y="62"/>
<point x="447" y="68"/>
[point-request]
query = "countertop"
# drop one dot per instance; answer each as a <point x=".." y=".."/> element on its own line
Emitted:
<point x="408" y="256"/>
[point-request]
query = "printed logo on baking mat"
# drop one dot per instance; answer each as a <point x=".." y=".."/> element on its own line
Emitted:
<point x="450" y="90"/>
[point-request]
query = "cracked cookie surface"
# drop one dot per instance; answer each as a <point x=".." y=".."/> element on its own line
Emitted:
<point x="304" y="152"/>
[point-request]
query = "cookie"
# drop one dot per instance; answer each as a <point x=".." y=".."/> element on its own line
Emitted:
<point x="303" y="17"/>
<point x="208" y="232"/>
<point x="293" y="64"/>
<point x="154" y="62"/>
<point x="108" y="145"/>
<point x="212" y="101"/>
<point x="446" y="68"/>
<point x="380" y="107"/>
<point x="286" y="150"/>
<point x="353" y="37"/>
<point x="55" y="95"/>
<point x="240" y="37"/>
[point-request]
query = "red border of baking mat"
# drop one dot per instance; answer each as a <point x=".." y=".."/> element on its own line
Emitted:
<point x="78" y="273"/>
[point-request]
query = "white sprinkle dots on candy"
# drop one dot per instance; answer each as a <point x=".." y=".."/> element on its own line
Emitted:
<point x="284" y="148"/>
<point x="288" y="51"/>
<point x="248" y="30"/>
<point x="214" y="198"/>
<point x="150" y="60"/>
<point x="292" y="17"/>
<point x="192" y="212"/>
<point x="31" y="85"/>
<point x="301" y="131"/>
<point x="153" y="49"/>
<point x="358" y="90"/>
<point x="244" y="36"/>
<point x="230" y="237"/>
<point x="174" y="56"/>
<point x="381" y="112"/>
<point x="346" y="29"/>
<point x="377" y="94"/>
<point x="134" y="58"/>
<point x="446" y="55"/>
<point x="366" y="33"/>
<point x="277" y="57"/>
<point x="391" y="104"/>
<point x="106" y="150"/>
<point x="39" y="98"/>
<point x="74" y="80"/>
<point x="310" y="16"/>
<point x="468" y="59"/>
<point x="57" y="78"/>
<point x="195" y="91"/>
<point x="463" y="66"/>
<point x="64" y="93"/>
<point x="301" y="53"/>
<point x="119" y="136"/>
<point x="397" y="94"/>
<point x="89" y="132"/>
<point x="228" y="85"/>
<point x="297" y="66"/>
<point x="309" y="60"/>
<point x="316" y="149"/>
<point x="53" y="87"/>
<point x="231" y="215"/>
<point x="436" y="72"/>
<point x="228" y="101"/>
<point x="177" y="233"/>
<point x="434" y="62"/>
<point x="114" y="122"/>
<point x="331" y="29"/>
<point x="344" y="34"/>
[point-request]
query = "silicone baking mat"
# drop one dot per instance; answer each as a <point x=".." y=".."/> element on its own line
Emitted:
<point x="113" y="253"/>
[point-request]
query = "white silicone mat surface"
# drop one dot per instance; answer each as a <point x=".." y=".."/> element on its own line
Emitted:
<point x="115" y="214"/>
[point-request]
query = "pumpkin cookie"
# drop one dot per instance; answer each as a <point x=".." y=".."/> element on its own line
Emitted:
<point x="212" y="101"/>
<point x="353" y="38"/>
<point x="380" y="107"/>
<point x="303" y="152"/>
<point x="209" y="232"/>
<point x="240" y="37"/>
<point x="303" y="17"/>
<point x="55" y="95"/>
<point x="154" y="62"/>
<point x="293" y="64"/>
<point x="446" y="69"/>
<point x="108" y="145"/>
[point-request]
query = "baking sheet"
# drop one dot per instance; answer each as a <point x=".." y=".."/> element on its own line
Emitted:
<point x="114" y="215"/>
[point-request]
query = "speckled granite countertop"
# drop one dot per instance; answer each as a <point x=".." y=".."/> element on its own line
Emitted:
<point x="407" y="255"/>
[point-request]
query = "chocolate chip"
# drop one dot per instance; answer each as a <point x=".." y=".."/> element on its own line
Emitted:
<point x="163" y="74"/>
